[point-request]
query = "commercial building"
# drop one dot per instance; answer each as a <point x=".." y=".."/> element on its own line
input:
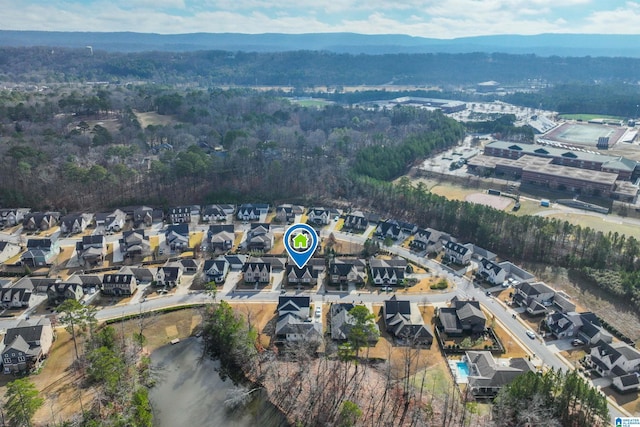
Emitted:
<point x="577" y="171"/>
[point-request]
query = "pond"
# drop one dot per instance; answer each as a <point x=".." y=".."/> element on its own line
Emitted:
<point x="189" y="391"/>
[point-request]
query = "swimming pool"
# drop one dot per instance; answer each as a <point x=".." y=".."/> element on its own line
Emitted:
<point x="462" y="370"/>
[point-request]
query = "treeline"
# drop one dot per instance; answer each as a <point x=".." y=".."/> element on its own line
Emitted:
<point x="304" y="68"/>
<point x="606" y="98"/>
<point x="517" y="238"/>
<point x="554" y="398"/>
<point x="623" y="284"/>
<point x="503" y="128"/>
<point x="388" y="162"/>
<point x="112" y="366"/>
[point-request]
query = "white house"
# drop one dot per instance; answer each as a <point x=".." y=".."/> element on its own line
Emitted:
<point x="491" y="271"/>
<point x="460" y="254"/>
<point x="319" y="215"/>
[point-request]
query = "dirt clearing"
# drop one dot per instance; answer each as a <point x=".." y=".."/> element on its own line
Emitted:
<point x="496" y="202"/>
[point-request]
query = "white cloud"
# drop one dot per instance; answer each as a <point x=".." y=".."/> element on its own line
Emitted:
<point x="427" y="18"/>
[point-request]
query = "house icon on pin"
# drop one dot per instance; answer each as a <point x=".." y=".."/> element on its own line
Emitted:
<point x="301" y="241"/>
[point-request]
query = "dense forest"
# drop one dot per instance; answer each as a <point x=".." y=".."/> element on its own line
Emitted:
<point x="306" y="68"/>
<point x="83" y="148"/>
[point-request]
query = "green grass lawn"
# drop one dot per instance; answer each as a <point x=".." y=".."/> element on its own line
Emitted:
<point x="317" y="103"/>
<point x="587" y="117"/>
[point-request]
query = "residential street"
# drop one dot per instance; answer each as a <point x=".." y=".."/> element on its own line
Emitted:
<point x="540" y="353"/>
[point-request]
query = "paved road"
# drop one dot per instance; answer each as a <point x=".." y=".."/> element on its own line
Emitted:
<point x="463" y="288"/>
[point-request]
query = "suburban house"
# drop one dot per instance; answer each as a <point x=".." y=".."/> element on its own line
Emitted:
<point x="177" y="237"/>
<point x="491" y="272"/>
<point x="344" y="271"/>
<point x="387" y="272"/>
<point x="74" y="223"/>
<point x="391" y="229"/>
<point x="142" y="274"/>
<point x="535" y="297"/>
<point x="37" y="285"/>
<point x="8" y="250"/>
<point x="168" y="276"/>
<point x="115" y="221"/>
<point x="306" y="275"/>
<point x="462" y="316"/>
<point x="486" y="376"/>
<point x="40" y="221"/>
<point x="479" y="253"/>
<point x="277" y="263"/>
<point x="15" y="297"/>
<point x="617" y="360"/>
<point x="189" y="265"/>
<point x="216" y="270"/>
<point x="213" y="213"/>
<point x="626" y="383"/>
<point x="144" y="216"/>
<point x="517" y="273"/>
<point x="134" y="243"/>
<point x="319" y="216"/>
<point x="221" y="237"/>
<point x="179" y="215"/>
<point x="59" y="292"/>
<point x="584" y="326"/>
<point x="294" y="322"/>
<point x="562" y="302"/>
<point x="236" y="262"/>
<point x="26" y="345"/>
<point x="90" y="282"/>
<point x="427" y="240"/>
<point x="404" y="321"/>
<point x="12" y="217"/>
<point x="342" y="322"/>
<point x="355" y="221"/>
<point x="286" y="214"/>
<point x="252" y="212"/>
<point x="257" y="272"/>
<point x="260" y="237"/>
<point x="457" y="253"/>
<point x="119" y="284"/>
<point x="91" y="250"/>
<point x="41" y="252"/>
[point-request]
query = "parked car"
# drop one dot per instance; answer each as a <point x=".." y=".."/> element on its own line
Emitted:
<point x="531" y="334"/>
<point x="577" y="343"/>
<point x="318" y="311"/>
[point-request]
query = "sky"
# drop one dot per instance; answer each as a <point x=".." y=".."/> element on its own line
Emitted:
<point x="442" y="19"/>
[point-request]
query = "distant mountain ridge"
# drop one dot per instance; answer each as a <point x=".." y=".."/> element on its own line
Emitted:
<point x="574" y="45"/>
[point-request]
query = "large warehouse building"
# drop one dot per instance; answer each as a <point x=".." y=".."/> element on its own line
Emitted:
<point x="561" y="169"/>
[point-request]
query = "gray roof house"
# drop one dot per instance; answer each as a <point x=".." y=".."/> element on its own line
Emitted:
<point x="355" y="221"/>
<point x="428" y="240"/>
<point x="535" y="297"/>
<point x="460" y="254"/>
<point x="216" y="270"/>
<point x="294" y="322"/>
<point x="306" y="275"/>
<point x="135" y="243"/>
<point x="387" y="272"/>
<point x="221" y="236"/>
<point x="342" y="322"/>
<point x="462" y="316"/>
<point x="58" y="292"/>
<point x="26" y="344"/>
<point x="616" y="360"/>
<point x="119" y="284"/>
<point x="486" y="376"/>
<point x="404" y="321"/>
<point x="491" y="271"/>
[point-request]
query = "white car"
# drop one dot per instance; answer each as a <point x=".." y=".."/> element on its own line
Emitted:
<point x="531" y="334"/>
<point x="318" y="311"/>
